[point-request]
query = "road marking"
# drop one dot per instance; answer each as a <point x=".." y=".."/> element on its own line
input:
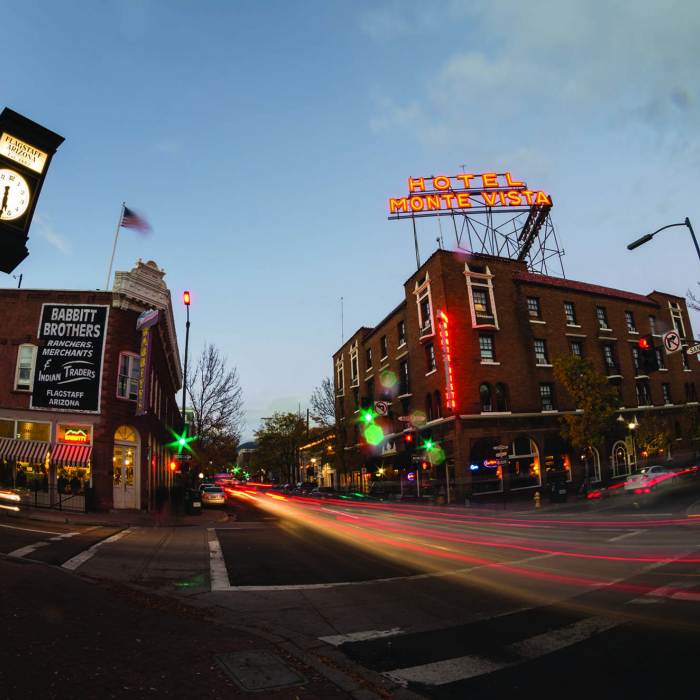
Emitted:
<point x="41" y="532"/>
<point x="79" y="559"/>
<point x="217" y="566"/>
<point x="463" y="667"/>
<point x="627" y="534"/>
<point x="23" y="551"/>
<point x="337" y="639"/>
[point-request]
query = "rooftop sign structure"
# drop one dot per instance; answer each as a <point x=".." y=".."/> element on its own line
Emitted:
<point x="492" y="213"/>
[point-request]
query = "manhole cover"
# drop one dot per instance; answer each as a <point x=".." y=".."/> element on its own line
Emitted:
<point x="259" y="670"/>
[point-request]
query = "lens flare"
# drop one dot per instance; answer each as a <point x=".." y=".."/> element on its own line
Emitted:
<point x="436" y="455"/>
<point x="418" y="419"/>
<point x="388" y="379"/>
<point x="374" y="434"/>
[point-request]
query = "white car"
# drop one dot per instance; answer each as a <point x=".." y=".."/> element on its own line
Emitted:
<point x="648" y="479"/>
<point x="213" y="496"/>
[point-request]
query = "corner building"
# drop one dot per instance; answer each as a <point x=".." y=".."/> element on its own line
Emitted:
<point x="87" y="399"/>
<point x="465" y="360"/>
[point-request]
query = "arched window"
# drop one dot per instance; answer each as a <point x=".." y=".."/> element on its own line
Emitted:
<point x="429" y="407"/>
<point x="485" y="397"/>
<point x="622" y="460"/>
<point x="502" y="401"/>
<point x="438" y="404"/>
<point x="125" y="433"/>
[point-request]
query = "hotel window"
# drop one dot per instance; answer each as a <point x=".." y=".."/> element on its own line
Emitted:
<point x="340" y="373"/>
<point x="486" y="348"/>
<point x="660" y="358"/>
<point x="27" y="430"/>
<point x="502" y="400"/>
<point x="629" y="320"/>
<point x="429" y="357"/>
<point x="690" y="394"/>
<point x="24" y="377"/>
<point x="401" y="328"/>
<point x="541" y="351"/>
<point x="7" y="428"/>
<point x="652" y="325"/>
<point x="666" y="390"/>
<point x="547" y="397"/>
<point x="429" y="407"/>
<point x="368" y="355"/>
<point x="609" y="358"/>
<point x="128" y="383"/>
<point x="481" y="299"/>
<point x="404" y="385"/>
<point x="437" y="404"/>
<point x="576" y="348"/>
<point x="369" y="391"/>
<point x="677" y="318"/>
<point x="485" y="398"/>
<point x="354" y="378"/>
<point x="602" y="316"/>
<point x="643" y="393"/>
<point x="570" y="313"/>
<point x="635" y="359"/>
<point x="684" y="358"/>
<point x="533" y="308"/>
<point x="383" y="348"/>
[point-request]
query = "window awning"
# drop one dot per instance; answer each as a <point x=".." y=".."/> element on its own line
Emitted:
<point x="23" y="450"/>
<point x="73" y="455"/>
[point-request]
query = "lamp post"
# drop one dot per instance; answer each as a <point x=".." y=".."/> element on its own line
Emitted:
<point x="647" y="237"/>
<point x="186" y="301"/>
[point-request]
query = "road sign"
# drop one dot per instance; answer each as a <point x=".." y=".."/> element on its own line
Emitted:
<point x="671" y="341"/>
<point x="502" y="453"/>
<point x="501" y="447"/>
<point x="693" y="349"/>
<point x="416" y="459"/>
<point x="381" y="408"/>
<point x="183" y="458"/>
<point x="405" y="419"/>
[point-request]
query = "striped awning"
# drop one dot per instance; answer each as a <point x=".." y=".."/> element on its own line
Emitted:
<point x="23" y="450"/>
<point x="73" y="455"/>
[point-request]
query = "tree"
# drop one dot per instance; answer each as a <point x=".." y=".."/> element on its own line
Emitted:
<point x="216" y="399"/>
<point x="278" y="442"/>
<point x="592" y="393"/>
<point x="652" y="436"/>
<point x="323" y="404"/>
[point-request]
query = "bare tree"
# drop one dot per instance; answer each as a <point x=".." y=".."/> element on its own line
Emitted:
<point x="216" y="399"/>
<point x="323" y="404"/>
<point x="693" y="301"/>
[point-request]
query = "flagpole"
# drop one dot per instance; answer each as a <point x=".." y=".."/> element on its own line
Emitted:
<point x="114" y="247"/>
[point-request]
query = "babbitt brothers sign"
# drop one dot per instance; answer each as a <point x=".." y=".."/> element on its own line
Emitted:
<point x="68" y="370"/>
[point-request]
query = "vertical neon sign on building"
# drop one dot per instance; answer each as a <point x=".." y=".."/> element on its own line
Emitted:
<point x="450" y="398"/>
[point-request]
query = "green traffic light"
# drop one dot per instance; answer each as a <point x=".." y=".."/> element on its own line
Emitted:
<point x="367" y="415"/>
<point x="182" y="442"/>
<point x="428" y="444"/>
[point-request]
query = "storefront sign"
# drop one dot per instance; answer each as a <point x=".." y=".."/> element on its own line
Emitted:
<point x="144" y="323"/>
<point x="23" y="153"/>
<point x="68" y="374"/>
<point x="74" y="434"/>
<point x="464" y="191"/>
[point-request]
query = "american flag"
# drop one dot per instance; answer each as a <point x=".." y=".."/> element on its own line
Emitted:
<point x="131" y="219"/>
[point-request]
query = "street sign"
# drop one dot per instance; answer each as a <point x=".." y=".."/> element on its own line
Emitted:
<point x="501" y="447"/>
<point x="502" y="453"/>
<point x="183" y="458"/>
<point x="693" y="349"/>
<point x="416" y="459"/>
<point x="405" y="419"/>
<point x="671" y="341"/>
<point x="381" y="408"/>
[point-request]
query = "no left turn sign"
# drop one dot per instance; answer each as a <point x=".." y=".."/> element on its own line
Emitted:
<point x="671" y="341"/>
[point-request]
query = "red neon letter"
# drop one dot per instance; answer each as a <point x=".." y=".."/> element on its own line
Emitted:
<point x="399" y="204"/>
<point x="433" y="201"/>
<point x="542" y="198"/>
<point x="416" y="184"/>
<point x="514" y="198"/>
<point x="440" y="182"/>
<point x="466" y="179"/>
<point x="489" y="180"/>
<point x="463" y="200"/>
<point x="513" y="183"/>
<point x="417" y="203"/>
<point x="489" y="198"/>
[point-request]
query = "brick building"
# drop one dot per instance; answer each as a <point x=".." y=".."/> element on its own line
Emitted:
<point x="466" y="360"/>
<point x="87" y="400"/>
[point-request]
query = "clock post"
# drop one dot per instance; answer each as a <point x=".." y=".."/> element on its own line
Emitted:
<point x="26" y="150"/>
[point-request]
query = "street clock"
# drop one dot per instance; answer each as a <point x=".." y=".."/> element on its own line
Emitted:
<point x="26" y="149"/>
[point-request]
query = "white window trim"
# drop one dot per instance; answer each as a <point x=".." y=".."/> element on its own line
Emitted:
<point x="537" y="320"/>
<point x="629" y="332"/>
<point x="490" y="362"/>
<point x="573" y="325"/>
<point x="421" y="291"/>
<point x="546" y="364"/>
<point x="31" y="369"/>
<point x="403" y="354"/>
<point x="398" y="347"/>
<point x="119" y="367"/>
<point x="576" y="335"/>
<point x="485" y="281"/>
<point x="432" y="371"/>
<point x="340" y="370"/>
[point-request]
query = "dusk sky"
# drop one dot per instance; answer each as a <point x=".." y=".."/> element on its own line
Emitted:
<point x="262" y="140"/>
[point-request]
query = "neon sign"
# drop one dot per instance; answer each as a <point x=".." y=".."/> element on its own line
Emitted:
<point x="466" y="191"/>
<point x="450" y="399"/>
<point x="75" y="436"/>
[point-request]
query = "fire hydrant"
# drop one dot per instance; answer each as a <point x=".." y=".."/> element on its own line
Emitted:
<point x="537" y="499"/>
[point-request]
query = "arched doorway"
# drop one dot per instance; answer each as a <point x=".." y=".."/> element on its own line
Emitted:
<point x="126" y="468"/>
<point x="620" y="459"/>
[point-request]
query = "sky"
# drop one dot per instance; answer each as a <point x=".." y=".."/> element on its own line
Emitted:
<point x="261" y="140"/>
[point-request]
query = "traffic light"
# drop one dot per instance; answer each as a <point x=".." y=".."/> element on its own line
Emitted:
<point x="648" y="362"/>
<point x="173" y="466"/>
<point x="409" y="441"/>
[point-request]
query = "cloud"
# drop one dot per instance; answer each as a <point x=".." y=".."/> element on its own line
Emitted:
<point x="51" y="236"/>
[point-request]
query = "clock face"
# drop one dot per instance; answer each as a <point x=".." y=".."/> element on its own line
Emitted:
<point x="14" y="195"/>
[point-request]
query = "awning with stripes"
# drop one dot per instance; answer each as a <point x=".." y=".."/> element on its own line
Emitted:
<point x="23" y="450"/>
<point x="73" y="455"/>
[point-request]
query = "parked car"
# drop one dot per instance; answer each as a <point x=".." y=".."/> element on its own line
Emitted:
<point x="649" y="479"/>
<point x="304" y="489"/>
<point x="213" y="496"/>
<point x="325" y="492"/>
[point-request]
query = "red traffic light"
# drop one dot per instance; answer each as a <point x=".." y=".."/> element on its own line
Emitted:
<point x="644" y="344"/>
<point x="173" y="466"/>
<point x="186" y="298"/>
<point x="408" y="437"/>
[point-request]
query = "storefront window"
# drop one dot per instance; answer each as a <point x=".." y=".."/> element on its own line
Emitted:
<point x="524" y="464"/>
<point x="33" y="431"/>
<point x="7" y="428"/>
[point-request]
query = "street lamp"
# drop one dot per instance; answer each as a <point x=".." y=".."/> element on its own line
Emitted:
<point x="631" y="426"/>
<point x="647" y="237"/>
<point x="186" y="301"/>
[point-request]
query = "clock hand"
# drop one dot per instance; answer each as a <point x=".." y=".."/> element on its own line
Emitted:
<point x="3" y="206"/>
